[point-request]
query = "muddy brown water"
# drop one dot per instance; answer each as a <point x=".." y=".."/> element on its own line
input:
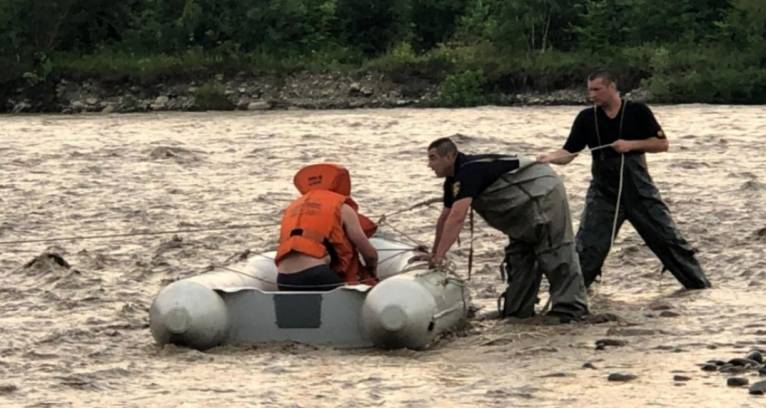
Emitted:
<point x="79" y="336"/>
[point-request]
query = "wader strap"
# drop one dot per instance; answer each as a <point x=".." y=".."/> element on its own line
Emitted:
<point x="493" y="159"/>
<point x="622" y="119"/>
<point x="470" y="245"/>
<point x="313" y="235"/>
<point x="317" y="237"/>
<point x="502" y="300"/>
<point x="502" y="270"/>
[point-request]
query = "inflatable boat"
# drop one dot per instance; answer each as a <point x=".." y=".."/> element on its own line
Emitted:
<point x="410" y="307"/>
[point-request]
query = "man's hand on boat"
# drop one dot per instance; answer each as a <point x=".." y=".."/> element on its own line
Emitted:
<point x="436" y="262"/>
<point x="433" y="260"/>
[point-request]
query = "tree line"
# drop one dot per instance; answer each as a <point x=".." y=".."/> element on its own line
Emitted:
<point x="682" y="50"/>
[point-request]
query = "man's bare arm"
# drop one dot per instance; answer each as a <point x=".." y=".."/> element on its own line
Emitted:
<point x="650" y="145"/>
<point x="439" y="228"/>
<point x="452" y="226"/>
<point x="560" y="156"/>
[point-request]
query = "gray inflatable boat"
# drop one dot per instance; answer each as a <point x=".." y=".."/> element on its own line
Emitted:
<point x="411" y="306"/>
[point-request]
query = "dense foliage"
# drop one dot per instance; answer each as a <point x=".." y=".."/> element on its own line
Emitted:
<point x="683" y="50"/>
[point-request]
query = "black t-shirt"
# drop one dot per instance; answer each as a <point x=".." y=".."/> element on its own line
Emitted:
<point x="474" y="173"/>
<point x="639" y="124"/>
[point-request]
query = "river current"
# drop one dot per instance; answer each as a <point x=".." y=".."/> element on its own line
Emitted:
<point x="74" y="313"/>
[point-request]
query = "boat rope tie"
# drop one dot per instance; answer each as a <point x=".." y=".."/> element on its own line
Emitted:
<point x="414" y="266"/>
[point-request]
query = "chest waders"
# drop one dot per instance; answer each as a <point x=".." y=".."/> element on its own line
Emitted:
<point x="530" y="206"/>
<point x="622" y="189"/>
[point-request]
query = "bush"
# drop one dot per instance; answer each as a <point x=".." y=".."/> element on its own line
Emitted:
<point x="211" y="96"/>
<point x="402" y="63"/>
<point x="115" y="65"/>
<point x="728" y="85"/>
<point x="463" y="89"/>
<point x="712" y="75"/>
<point x="540" y="71"/>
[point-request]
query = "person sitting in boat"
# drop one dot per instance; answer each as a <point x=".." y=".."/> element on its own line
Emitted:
<point x="322" y="234"/>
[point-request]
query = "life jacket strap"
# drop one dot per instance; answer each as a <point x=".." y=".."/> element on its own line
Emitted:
<point x="315" y="236"/>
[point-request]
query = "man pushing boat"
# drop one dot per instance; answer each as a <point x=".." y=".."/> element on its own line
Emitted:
<point x="525" y="200"/>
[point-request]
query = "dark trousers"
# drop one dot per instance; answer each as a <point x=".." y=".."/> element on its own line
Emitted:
<point x="316" y="278"/>
<point x="640" y="204"/>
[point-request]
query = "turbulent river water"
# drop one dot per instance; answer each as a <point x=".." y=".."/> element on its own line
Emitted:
<point x="74" y="313"/>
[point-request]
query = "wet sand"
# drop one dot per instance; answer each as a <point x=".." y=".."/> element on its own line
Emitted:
<point x="78" y="335"/>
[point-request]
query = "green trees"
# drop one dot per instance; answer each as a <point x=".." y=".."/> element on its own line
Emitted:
<point x="730" y="67"/>
<point x="535" y="25"/>
<point x="231" y="25"/>
<point x="373" y="26"/>
<point x="682" y="49"/>
<point x="434" y="21"/>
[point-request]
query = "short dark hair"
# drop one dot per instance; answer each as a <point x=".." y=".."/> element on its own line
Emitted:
<point x="604" y="74"/>
<point x="443" y="146"/>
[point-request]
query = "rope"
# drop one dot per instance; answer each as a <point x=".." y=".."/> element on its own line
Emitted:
<point x="594" y="149"/>
<point x="383" y="220"/>
<point x="619" y="189"/>
<point x="137" y="234"/>
<point x="450" y="266"/>
<point x="410" y="208"/>
<point x="547" y="305"/>
<point x="397" y="252"/>
<point x="617" y="205"/>
<point x="403" y="234"/>
<point x="188" y="231"/>
<point x="622" y="168"/>
<point x="470" y="244"/>
<point x="327" y="285"/>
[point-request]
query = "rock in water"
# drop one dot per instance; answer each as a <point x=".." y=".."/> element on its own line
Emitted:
<point x="732" y="369"/>
<point x="758" y="388"/>
<point x="603" y="343"/>
<point x="737" y="381"/>
<point x="11" y="388"/>
<point x="755" y="355"/>
<point x="48" y="260"/>
<point x="622" y="377"/>
<point x="744" y="362"/>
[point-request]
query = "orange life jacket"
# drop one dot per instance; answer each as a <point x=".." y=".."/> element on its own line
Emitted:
<point x="312" y="224"/>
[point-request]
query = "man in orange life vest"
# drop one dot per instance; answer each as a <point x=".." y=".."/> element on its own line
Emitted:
<point x="322" y="232"/>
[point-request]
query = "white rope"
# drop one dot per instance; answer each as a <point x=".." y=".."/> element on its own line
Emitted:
<point x="617" y="206"/>
<point x="448" y="269"/>
<point x="564" y="156"/>
<point x="619" y="188"/>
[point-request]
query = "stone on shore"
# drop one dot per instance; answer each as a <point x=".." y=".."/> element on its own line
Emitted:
<point x="758" y="388"/>
<point x="737" y="381"/>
